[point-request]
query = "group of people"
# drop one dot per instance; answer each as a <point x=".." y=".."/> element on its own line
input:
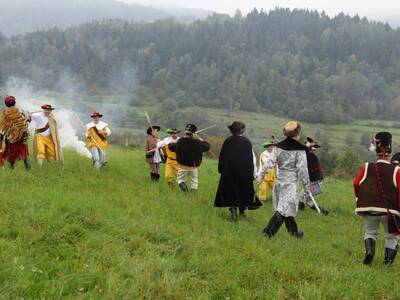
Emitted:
<point x="14" y="133"/>
<point x="289" y="171"/>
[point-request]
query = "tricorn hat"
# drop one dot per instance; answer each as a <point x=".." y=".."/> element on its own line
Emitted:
<point x="383" y="143"/>
<point x="151" y="128"/>
<point x="190" y="128"/>
<point x="96" y="114"/>
<point x="9" y="101"/>
<point x="47" y="107"/>
<point x="237" y="127"/>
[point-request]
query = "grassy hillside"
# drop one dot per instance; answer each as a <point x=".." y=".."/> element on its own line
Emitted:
<point x="70" y="232"/>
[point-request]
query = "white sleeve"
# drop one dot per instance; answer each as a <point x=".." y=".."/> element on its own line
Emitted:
<point x="255" y="164"/>
<point x="108" y="131"/>
<point x="163" y="143"/>
<point x="268" y="165"/>
<point x="34" y="117"/>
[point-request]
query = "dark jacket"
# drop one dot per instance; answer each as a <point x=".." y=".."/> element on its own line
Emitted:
<point x="314" y="167"/>
<point x="189" y="151"/>
<point x="236" y="166"/>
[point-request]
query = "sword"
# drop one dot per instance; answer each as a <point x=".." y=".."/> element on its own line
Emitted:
<point x="314" y="202"/>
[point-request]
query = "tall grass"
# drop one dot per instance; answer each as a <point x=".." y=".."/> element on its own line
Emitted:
<point x="71" y="232"/>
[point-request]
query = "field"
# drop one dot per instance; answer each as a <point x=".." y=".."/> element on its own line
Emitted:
<point x="70" y="232"/>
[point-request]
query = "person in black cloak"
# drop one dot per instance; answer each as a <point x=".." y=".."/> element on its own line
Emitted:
<point x="237" y="166"/>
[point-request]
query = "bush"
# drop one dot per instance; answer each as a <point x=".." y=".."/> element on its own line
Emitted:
<point x="216" y="143"/>
<point x="348" y="164"/>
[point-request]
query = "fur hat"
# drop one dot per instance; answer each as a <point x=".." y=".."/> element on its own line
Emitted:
<point x="237" y="127"/>
<point x="292" y="129"/>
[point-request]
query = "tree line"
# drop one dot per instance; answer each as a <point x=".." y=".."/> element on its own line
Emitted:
<point x="296" y="63"/>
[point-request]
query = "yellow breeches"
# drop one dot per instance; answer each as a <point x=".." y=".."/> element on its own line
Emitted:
<point x="265" y="190"/>
<point x="171" y="170"/>
<point x="45" y="147"/>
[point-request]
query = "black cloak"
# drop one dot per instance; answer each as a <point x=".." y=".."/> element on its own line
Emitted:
<point x="236" y="167"/>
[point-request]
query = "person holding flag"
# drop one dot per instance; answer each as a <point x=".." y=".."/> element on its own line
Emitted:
<point x="97" y="133"/>
<point x="47" y="140"/>
<point x="171" y="165"/>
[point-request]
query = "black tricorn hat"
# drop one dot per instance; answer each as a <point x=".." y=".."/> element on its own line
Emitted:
<point x="151" y="128"/>
<point x="190" y="128"/>
<point x="237" y="127"/>
<point x="383" y="143"/>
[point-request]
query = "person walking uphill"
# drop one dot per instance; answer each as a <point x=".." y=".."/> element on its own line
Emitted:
<point x="237" y="166"/>
<point x="97" y="133"/>
<point x="47" y="141"/>
<point x="189" y="154"/>
<point x="377" y="199"/>
<point x="290" y="158"/>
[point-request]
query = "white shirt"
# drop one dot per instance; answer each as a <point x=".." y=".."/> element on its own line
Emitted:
<point x="41" y="121"/>
<point x="167" y="141"/>
<point x="100" y="126"/>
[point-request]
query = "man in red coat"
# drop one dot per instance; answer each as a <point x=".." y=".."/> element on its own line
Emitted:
<point x="377" y="199"/>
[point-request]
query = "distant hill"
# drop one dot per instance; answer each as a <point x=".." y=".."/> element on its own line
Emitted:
<point x="22" y="16"/>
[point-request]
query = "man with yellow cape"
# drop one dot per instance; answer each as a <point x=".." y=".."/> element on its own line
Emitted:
<point x="47" y="140"/>
<point x="97" y="133"/>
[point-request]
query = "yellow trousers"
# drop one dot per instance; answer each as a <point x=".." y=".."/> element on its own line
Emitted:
<point x="171" y="170"/>
<point x="265" y="190"/>
<point x="45" y="147"/>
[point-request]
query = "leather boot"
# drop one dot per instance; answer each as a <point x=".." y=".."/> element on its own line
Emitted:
<point x="157" y="177"/>
<point x="152" y="176"/>
<point x="273" y="225"/>
<point x="291" y="227"/>
<point x="27" y="165"/>
<point x="302" y="206"/>
<point x="234" y="216"/>
<point x="390" y="255"/>
<point x="242" y="212"/>
<point x="184" y="187"/>
<point x="369" y="251"/>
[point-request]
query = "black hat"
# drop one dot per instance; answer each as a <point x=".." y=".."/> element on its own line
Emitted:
<point x="237" y="127"/>
<point x="383" y="143"/>
<point x="151" y="128"/>
<point x="310" y="143"/>
<point x="190" y="128"/>
<point x="396" y="159"/>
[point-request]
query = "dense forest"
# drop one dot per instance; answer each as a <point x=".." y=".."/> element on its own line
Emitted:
<point x="297" y="63"/>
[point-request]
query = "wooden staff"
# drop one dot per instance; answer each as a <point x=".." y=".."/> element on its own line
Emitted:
<point x="84" y="126"/>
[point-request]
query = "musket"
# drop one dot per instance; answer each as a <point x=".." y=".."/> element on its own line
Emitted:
<point x="204" y="129"/>
<point x="84" y="126"/>
<point x="148" y="120"/>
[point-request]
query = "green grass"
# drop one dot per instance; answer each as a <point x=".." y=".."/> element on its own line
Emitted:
<point x="70" y="232"/>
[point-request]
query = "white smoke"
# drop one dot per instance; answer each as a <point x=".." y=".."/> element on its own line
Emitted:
<point x="67" y="120"/>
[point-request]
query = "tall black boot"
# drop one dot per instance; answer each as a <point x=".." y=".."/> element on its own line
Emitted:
<point x="12" y="165"/>
<point x="184" y="187"/>
<point x="390" y="255"/>
<point x="291" y="227"/>
<point x="234" y="216"/>
<point x="241" y="212"/>
<point x="152" y="176"/>
<point x="273" y="225"/>
<point x="369" y="251"/>
<point x="157" y="177"/>
<point x="27" y="165"/>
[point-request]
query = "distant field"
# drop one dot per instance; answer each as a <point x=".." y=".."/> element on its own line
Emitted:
<point x="70" y="232"/>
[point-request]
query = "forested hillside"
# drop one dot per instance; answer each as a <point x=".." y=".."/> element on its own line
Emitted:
<point x="300" y="64"/>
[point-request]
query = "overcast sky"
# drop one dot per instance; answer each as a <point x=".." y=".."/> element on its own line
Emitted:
<point x="362" y="7"/>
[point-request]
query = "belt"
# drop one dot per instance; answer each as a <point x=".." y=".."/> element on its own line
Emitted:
<point x="41" y="130"/>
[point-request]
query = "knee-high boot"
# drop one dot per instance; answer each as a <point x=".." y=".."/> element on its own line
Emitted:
<point x="369" y="251"/>
<point x="390" y="255"/>
<point x="291" y="227"/>
<point x="273" y="225"/>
